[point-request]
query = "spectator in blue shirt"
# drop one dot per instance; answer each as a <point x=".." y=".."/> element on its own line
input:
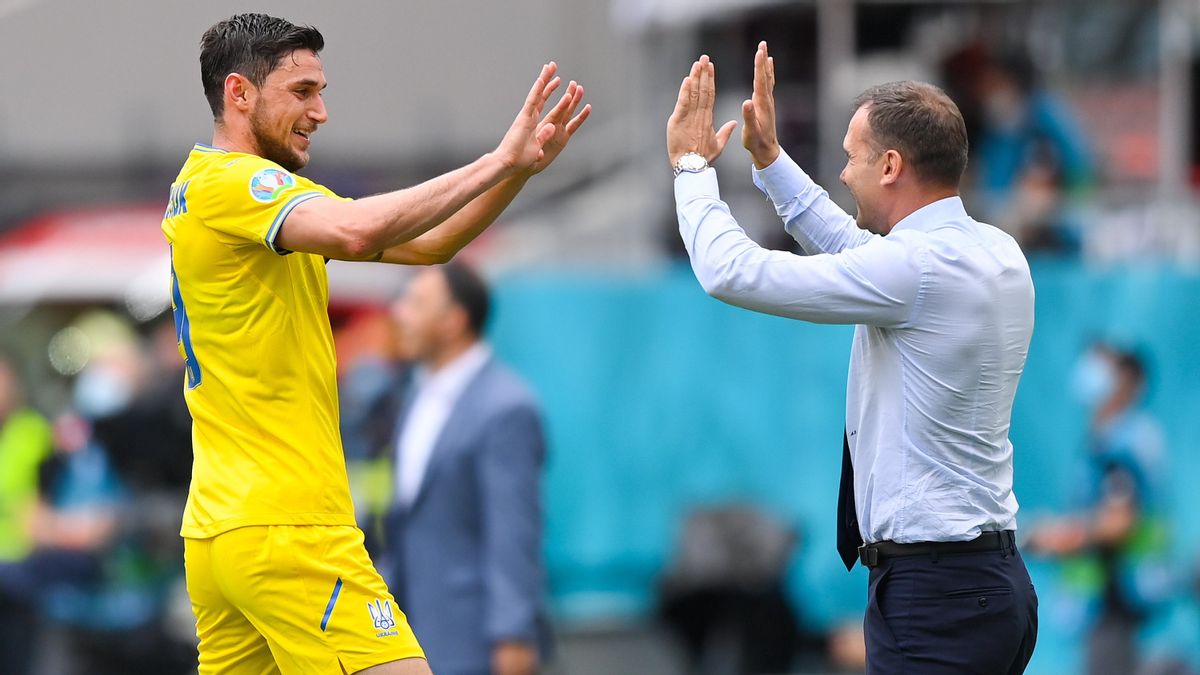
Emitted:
<point x="1118" y="527"/>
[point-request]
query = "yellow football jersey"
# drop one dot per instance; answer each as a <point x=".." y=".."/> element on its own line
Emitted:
<point x="253" y="326"/>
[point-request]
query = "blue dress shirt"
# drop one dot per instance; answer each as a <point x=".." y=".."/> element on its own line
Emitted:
<point x="944" y="307"/>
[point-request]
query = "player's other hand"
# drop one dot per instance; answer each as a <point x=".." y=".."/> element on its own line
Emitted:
<point x="523" y="145"/>
<point x="758" y="134"/>
<point x="566" y="122"/>
<point x="690" y="127"/>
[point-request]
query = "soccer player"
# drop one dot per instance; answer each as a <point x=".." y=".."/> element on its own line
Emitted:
<point x="276" y="569"/>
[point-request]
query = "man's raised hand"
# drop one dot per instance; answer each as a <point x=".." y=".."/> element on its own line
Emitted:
<point x="689" y="129"/>
<point x="758" y="134"/>
<point x="522" y="146"/>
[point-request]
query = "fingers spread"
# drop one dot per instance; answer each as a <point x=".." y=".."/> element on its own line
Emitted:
<point x="549" y="88"/>
<point x="561" y="110"/>
<point x="575" y="100"/>
<point x="531" y="101"/>
<point x="576" y="91"/>
<point x="579" y="119"/>
<point x="535" y="99"/>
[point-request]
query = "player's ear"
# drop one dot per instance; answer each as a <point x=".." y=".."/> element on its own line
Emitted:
<point x="238" y="91"/>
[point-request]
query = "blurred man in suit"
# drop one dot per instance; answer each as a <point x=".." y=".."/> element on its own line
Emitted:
<point x="464" y="533"/>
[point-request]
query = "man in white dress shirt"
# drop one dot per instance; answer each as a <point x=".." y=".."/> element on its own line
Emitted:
<point x="944" y="312"/>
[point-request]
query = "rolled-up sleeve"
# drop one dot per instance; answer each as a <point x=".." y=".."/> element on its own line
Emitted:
<point x="814" y="220"/>
<point x="877" y="283"/>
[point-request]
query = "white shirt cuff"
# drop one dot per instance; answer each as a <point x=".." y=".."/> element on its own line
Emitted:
<point x="689" y="185"/>
<point x="783" y="180"/>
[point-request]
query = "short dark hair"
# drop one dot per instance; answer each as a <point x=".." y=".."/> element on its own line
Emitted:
<point x="252" y="45"/>
<point x="469" y="291"/>
<point x="923" y="124"/>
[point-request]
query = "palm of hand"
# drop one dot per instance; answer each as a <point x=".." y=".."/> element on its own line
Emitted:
<point x="564" y="125"/>
<point x="552" y="147"/>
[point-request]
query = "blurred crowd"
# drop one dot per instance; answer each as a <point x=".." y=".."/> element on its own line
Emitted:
<point x="90" y="505"/>
<point x="1031" y="161"/>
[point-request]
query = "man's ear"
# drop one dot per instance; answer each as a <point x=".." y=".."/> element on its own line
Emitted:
<point x="239" y="91"/>
<point x="457" y="322"/>
<point x="893" y="164"/>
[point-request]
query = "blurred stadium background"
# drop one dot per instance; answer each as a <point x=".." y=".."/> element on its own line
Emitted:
<point x="664" y="407"/>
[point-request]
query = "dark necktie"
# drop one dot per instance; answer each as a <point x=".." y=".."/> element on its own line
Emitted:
<point x="848" y="537"/>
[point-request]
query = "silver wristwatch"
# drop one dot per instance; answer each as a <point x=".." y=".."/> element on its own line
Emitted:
<point x="691" y="162"/>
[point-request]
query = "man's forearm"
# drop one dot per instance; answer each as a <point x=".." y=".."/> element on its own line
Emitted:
<point x="446" y="239"/>
<point x="397" y="217"/>
<point x="814" y="220"/>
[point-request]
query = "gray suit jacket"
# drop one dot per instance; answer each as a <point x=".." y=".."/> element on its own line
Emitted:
<point x="465" y="559"/>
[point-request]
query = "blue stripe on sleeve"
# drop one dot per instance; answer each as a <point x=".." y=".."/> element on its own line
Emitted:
<point x="337" y="589"/>
<point x="279" y="218"/>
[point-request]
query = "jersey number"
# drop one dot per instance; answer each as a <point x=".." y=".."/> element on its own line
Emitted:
<point x="183" y="332"/>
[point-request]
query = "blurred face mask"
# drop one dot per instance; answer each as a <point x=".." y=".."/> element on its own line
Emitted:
<point x="1003" y="109"/>
<point x="101" y="392"/>
<point x="1094" y="378"/>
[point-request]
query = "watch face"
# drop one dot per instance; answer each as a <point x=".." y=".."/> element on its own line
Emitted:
<point x="692" y="162"/>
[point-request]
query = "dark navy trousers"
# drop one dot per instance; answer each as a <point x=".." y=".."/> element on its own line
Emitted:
<point x="957" y="613"/>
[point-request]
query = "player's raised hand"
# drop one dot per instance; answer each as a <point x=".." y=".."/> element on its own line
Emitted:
<point x="521" y="147"/>
<point x="565" y="125"/>
<point x="758" y="134"/>
<point x="690" y="127"/>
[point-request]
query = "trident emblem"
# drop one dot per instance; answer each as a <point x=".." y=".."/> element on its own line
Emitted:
<point x="381" y="614"/>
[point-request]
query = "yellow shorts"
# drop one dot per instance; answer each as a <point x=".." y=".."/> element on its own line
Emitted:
<point x="292" y="599"/>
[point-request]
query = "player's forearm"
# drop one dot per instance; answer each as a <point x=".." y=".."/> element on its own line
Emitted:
<point x="384" y="221"/>
<point x="444" y="241"/>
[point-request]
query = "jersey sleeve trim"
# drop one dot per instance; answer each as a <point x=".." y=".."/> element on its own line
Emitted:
<point x="273" y="231"/>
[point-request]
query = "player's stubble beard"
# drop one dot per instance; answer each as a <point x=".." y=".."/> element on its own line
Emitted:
<point x="270" y="147"/>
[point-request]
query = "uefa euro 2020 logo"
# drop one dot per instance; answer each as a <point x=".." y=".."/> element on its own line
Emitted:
<point x="269" y="183"/>
<point x="381" y="614"/>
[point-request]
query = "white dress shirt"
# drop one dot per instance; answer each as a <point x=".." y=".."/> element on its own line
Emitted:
<point x="945" y="312"/>
<point x="437" y="394"/>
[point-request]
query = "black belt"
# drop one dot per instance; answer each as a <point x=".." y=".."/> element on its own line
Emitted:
<point x="870" y="555"/>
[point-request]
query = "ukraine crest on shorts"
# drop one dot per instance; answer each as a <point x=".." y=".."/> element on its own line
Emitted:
<point x="382" y="616"/>
<point x="269" y="183"/>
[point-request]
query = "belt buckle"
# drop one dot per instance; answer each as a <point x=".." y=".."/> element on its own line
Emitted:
<point x="868" y="555"/>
